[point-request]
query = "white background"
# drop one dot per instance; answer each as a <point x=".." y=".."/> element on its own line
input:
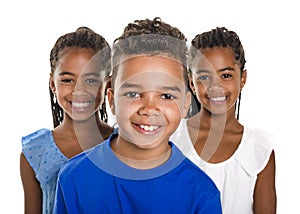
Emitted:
<point x="268" y="30"/>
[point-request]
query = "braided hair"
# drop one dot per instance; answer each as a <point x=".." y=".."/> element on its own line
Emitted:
<point x="83" y="37"/>
<point x="220" y="37"/>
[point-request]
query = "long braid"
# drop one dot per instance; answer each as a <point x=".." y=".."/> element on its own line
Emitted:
<point x="83" y="37"/>
<point x="221" y="37"/>
<point x="238" y="106"/>
<point x="57" y="112"/>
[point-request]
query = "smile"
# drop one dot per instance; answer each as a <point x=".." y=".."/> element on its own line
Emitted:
<point x="148" y="128"/>
<point x="80" y="105"/>
<point x="217" y="99"/>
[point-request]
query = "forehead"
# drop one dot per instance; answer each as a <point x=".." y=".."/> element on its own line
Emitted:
<point x="79" y="61"/>
<point x="74" y="52"/>
<point x="150" y="70"/>
<point x="216" y="58"/>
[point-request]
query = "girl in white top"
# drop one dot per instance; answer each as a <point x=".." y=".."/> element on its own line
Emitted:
<point x="239" y="159"/>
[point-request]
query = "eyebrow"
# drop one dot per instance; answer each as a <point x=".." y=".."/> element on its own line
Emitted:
<point x="137" y="86"/>
<point x="227" y="69"/>
<point x="201" y="71"/>
<point x="221" y="70"/>
<point x="169" y="88"/>
<point x="96" y="74"/>
<point x="130" y="85"/>
<point x="65" y="73"/>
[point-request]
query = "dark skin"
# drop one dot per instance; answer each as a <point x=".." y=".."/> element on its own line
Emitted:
<point x="217" y="85"/>
<point x="79" y="130"/>
<point x="32" y="190"/>
<point x="31" y="186"/>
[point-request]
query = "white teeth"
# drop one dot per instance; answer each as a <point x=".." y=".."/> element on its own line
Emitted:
<point x="148" y="128"/>
<point x="80" y="105"/>
<point x="218" y="99"/>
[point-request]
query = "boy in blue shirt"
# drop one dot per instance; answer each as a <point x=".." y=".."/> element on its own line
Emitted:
<point x="139" y="170"/>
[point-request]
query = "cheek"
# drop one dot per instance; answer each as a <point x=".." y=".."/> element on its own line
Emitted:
<point x="234" y="87"/>
<point x="174" y="111"/>
<point x="124" y="108"/>
<point x="61" y="91"/>
<point x="200" y="88"/>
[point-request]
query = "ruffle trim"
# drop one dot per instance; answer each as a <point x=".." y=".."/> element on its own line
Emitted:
<point x="256" y="150"/>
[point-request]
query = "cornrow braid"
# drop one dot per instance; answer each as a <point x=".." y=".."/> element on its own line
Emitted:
<point x="220" y="37"/>
<point x="83" y="37"/>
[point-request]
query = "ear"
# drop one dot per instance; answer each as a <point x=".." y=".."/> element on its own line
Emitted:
<point x="108" y="83"/>
<point x="51" y="84"/>
<point x="243" y="78"/>
<point x="191" y="83"/>
<point x="110" y="98"/>
<point x="187" y="104"/>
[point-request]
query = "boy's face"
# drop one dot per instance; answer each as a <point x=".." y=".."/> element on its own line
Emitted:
<point x="149" y="99"/>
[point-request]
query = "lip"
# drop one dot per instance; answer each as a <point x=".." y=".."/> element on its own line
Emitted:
<point x="80" y="106"/>
<point x="147" y="129"/>
<point x="218" y="99"/>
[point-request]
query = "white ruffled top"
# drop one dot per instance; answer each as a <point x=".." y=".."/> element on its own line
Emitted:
<point x="236" y="176"/>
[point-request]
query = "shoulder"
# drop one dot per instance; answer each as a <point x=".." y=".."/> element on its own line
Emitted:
<point x="198" y="172"/>
<point x="81" y="163"/>
<point x="256" y="148"/>
<point x="258" y="139"/>
<point x="259" y="134"/>
<point x="43" y="155"/>
<point x="190" y="172"/>
<point x="36" y="143"/>
<point x="197" y="181"/>
<point x="38" y="135"/>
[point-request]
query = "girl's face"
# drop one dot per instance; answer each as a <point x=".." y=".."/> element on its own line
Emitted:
<point x="217" y="80"/>
<point x="149" y="99"/>
<point x="78" y="83"/>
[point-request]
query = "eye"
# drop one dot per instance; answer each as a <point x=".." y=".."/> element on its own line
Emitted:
<point x="203" y="77"/>
<point x="91" y="81"/>
<point x="168" y="97"/>
<point x="132" y="94"/>
<point x="66" y="80"/>
<point x="225" y="76"/>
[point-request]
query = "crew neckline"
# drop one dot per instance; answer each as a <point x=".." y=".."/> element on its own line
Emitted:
<point x="111" y="164"/>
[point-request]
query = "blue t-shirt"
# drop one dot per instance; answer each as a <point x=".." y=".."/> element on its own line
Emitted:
<point x="96" y="181"/>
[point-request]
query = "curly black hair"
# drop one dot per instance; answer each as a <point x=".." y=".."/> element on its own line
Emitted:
<point x="150" y="37"/>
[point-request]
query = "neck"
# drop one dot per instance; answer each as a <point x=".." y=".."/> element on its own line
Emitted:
<point x="220" y="123"/>
<point x="209" y="128"/>
<point x="88" y="133"/>
<point x="140" y="158"/>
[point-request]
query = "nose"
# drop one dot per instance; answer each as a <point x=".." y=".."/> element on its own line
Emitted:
<point x="149" y="105"/>
<point x="79" y="89"/>
<point x="214" y="84"/>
